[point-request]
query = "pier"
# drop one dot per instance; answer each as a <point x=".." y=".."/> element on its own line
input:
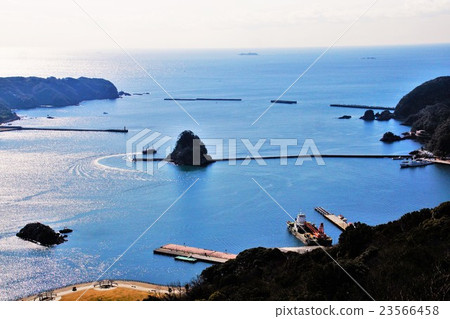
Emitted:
<point x="211" y="256"/>
<point x="21" y="128"/>
<point x="368" y="107"/>
<point x="336" y="220"/>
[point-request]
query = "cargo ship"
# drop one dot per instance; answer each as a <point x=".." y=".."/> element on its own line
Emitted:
<point x="307" y="232"/>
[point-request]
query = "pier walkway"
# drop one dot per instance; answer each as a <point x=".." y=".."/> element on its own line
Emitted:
<point x="336" y="220"/>
<point x="207" y="255"/>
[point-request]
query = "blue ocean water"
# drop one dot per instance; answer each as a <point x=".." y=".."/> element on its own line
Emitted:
<point x="69" y="179"/>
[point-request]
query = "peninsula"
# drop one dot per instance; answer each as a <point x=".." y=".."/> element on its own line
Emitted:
<point x="427" y="110"/>
<point x="31" y="92"/>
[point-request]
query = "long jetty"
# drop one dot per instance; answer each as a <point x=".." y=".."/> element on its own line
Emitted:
<point x="211" y="256"/>
<point x="336" y="220"/>
<point x="149" y="159"/>
<point x="368" y="107"/>
<point x="203" y="99"/>
<point x="22" y="128"/>
<point x="283" y="101"/>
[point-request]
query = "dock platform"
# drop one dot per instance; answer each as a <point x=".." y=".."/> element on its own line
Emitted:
<point x="211" y="256"/>
<point x="336" y="220"/>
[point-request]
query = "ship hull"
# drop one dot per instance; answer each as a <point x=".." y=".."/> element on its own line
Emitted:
<point x="307" y="238"/>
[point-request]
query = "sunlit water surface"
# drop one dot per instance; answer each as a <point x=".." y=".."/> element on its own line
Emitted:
<point x="70" y="179"/>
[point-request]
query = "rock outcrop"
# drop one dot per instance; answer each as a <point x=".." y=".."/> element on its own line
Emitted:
<point x="345" y="117"/>
<point x="390" y="137"/>
<point x="40" y="234"/>
<point x="190" y="151"/>
<point x="384" y="116"/>
<point x="368" y="116"/>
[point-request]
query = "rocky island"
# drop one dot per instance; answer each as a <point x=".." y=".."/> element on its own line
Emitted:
<point x="40" y="234"/>
<point x="31" y="92"/>
<point x="190" y="151"/>
<point x="390" y="137"/>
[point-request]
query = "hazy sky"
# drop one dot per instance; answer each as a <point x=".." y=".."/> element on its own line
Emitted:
<point x="249" y="24"/>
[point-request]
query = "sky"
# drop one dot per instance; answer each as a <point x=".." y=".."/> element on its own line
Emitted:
<point x="251" y="24"/>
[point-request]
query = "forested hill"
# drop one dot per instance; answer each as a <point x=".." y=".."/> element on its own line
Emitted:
<point x="407" y="259"/>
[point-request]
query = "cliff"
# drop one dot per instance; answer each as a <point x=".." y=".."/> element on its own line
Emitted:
<point x="407" y="259"/>
<point x="30" y="92"/>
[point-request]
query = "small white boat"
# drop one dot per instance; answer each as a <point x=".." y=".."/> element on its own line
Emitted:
<point x="415" y="163"/>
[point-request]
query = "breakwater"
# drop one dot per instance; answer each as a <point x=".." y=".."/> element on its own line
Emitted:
<point x="368" y="107"/>
<point x="21" y="128"/>
<point x="146" y="159"/>
<point x="203" y="99"/>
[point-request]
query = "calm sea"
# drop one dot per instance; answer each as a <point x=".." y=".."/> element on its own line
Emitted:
<point x="68" y="179"/>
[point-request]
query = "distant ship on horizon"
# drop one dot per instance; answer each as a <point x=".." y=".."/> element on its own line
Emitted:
<point x="248" y="53"/>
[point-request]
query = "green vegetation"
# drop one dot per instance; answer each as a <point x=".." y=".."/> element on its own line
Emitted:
<point x="427" y="107"/>
<point x="6" y="115"/>
<point x="190" y="151"/>
<point x="21" y="92"/>
<point x="407" y="259"/>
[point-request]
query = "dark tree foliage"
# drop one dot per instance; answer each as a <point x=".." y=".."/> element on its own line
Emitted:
<point x="427" y="107"/>
<point x="407" y="259"/>
<point x="429" y="93"/>
<point x="190" y="151"/>
<point x="440" y="140"/>
<point x="21" y="92"/>
<point x="6" y="115"/>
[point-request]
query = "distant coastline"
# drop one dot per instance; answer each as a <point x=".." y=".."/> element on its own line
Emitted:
<point x="32" y="92"/>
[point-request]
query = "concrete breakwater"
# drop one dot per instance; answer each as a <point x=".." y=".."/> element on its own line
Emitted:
<point x="368" y="107"/>
<point x="149" y="159"/>
<point x="202" y="99"/>
<point x="21" y="128"/>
